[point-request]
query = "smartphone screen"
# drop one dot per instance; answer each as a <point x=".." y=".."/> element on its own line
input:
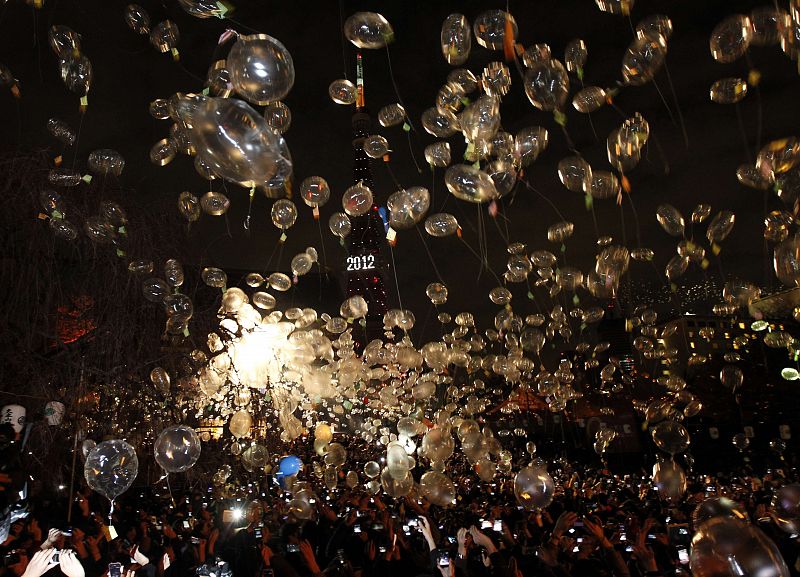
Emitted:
<point x="486" y="524"/>
<point x="114" y="569"/>
<point x="186" y="524"/>
<point x="683" y="556"/>
<point x="356" y="528"/>
<point x="498" y="526"/>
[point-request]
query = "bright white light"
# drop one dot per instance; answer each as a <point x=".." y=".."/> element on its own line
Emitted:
<point x="238" y="514"/>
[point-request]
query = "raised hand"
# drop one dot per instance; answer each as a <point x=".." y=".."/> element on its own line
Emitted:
<point x="482" y="540"/>
<point x="70" y="565"/>
<point x="564" y="522"/>
<point x="40" y="563"/>
<point x="52" y="536"/>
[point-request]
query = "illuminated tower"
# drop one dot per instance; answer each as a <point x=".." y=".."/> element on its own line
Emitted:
<point x="365" y="264"/>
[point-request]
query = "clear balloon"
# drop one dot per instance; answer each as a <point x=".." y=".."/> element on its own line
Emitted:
<point x="408" y="207"/>
<point x="368" y="30"/>
<point x="534" y="487"/>
<point x="671" y="437"/>
<point x="261" y="69"/>
<point x="669" y="480"/>
<point x="441" y="224"/>
<point x="137" y="19"/>
<point x="438" y="489"/>
<point x="283" y="213"/>
<point x="64" y="41"/>
<point x="731" y="38"/>
<point x="76" y="72"/>
<point x="111" y="468"/>
<point x="177" y="449"/>
<point x="547" y="85"/>
<point x="471" y="184"/>
<point x="490" y="29"/>
<point x="165" y="36"/>
<point x="456" y="39"/>
<point x="728" y="547"/>
<point x="235" y="141"/>
<point x="343" y="91"/>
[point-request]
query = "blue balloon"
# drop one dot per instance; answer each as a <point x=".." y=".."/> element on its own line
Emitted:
<point x="290" y="465"/>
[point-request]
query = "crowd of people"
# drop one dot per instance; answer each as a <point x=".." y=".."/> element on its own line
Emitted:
<point x="599" y="524"/>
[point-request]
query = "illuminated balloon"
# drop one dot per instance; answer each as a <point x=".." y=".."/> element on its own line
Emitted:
<point x="240" y="424"/>
<point x="202" y="8"/>
<point x="441" y="224"/>
<point x="315" y="191"/>
<point x="189" y="206"/>
<point x="643" y="59"/>
<point x="529" y="144"/>
<point x="64" y="41"/>
<point x="368" y="30"/>
<point x="786" y="508"/>
<point x="728" y="90"/>
<point x="490" y="29"/>
<point x="261" y="69"/>
<point x="720" y="226"/>
<point x="534" y="487"/>
<point x="547" y="85"/>
<point x="718" y="507"/>
<point x="76" y="72"/>
<point x="278" y="116"/>
<point x="339" y="224"/>
<point x="725" y="547"/>
<point x="438" y="489"/>
<point x="61" y="131"/>
<point x="671" y="437"/>
<point x="391" y="115"/>
<point x="235" y="141"/>
<point x="589" y="99"/>
<point x="137" y="19"/>
<point x="669" y="480"/>
<point x="111" y="467"/>
<point x="471" y="184"/>
<point x="343" y="91"/>
<point x="376" y="146"/>
<point x="456" y="39"/>
<point x="283" y="213"/>
<point x="438" y="154"/>
<point x="481" y="119"/>
<point x="670" y="219"/>
<point x="731" y="38"/>
<point x="106" y="161"/>
<point x="165" y="36"/>
<point x="396" y="487"/>
<point x="575" y="55"/>
<point x="575" y="173"/>
<point x="408" y="207"/>
<point x="177" y="449"/>
<point x="357" y="200"/>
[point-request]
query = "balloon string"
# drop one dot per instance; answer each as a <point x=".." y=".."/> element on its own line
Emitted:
<point x="397" y="90"/>
<point x="341" y="35"/>
<point x="677" y="105"/>
<point x="554" y="207"/>
<point x="169" y="488"/>
<point x="430" y="256"/>
<point x="249" y="210"/>
<point x="589" y="114"/>
<point x="322" y="243"/>
<point x="396" y="282"/>
<point x="411" y="150"/>
<point x="743" y="133"/>
<point x="477" y="256"/>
